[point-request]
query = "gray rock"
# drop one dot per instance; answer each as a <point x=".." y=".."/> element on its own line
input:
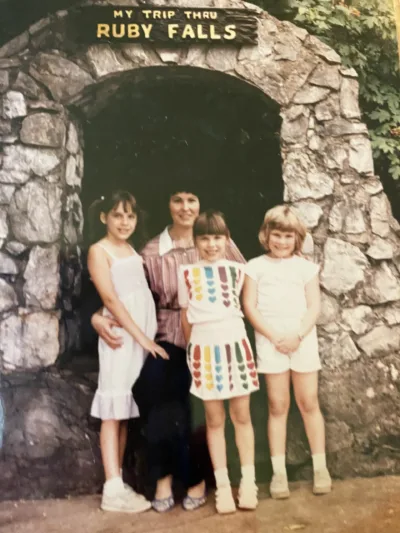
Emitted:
<point x="170" y="56"/>
<point x="15" y="46"/>
<point x="5" y="127"/>
<point x="3" y="223"/>
<point x="348" y="72"/>
<point x="338" y="436"/>
<point x="294" y="131"/>
<point x="73" y="140"/>
<point x="358" y="319"/>
<point x="308" y="212"/>
<point x="339" y="127"/>
<point x="361" y="155"/>
<point x="379" y="216"/>
<point x="63" y="78"/>
<point x="222" y="58"/>
<point x="141" y="56"/>
<point x="15" y="247"/>
<point x="335" y="156"/>
<point x="303" y="180"/>
<point x="330" y="310"/>
<point x="43" y="129"/>
<point x="6" y="192"/>
<point x="326" y="76"/>
<point x="344" y="266"/>
<point x="8" y="265"/>
<point x="35" y="213"/>
<point x="349" y="98"/>
<point x="8" y="297"/>
<point x="337" y="350"/>
<point x="310" y="95"/>
<point x="73" y="224"/>
<point x="42" y="277"/>
<point x="391" y="315"/>
<point x="27" y="85"/>
<point x="14" y="105"/>
<point x="30" y="341"/>
<point x="322" y="50"/>
<point x="382" y="287"/>
<point x="4" y="81"/>
<point x="105" y="60"/>
<point x="23" y="159"/>
<point x="380" y="249"/>
<point x="13" y="176"/>
<point x="71" y="176"/>
<point x="380" y="341"/>
<point x="328" y="109"/>
<point x="372" y="186"/>
<point x="354" y="222"/>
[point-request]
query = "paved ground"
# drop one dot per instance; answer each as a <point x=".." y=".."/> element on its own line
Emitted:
<point x="354" y="506"/>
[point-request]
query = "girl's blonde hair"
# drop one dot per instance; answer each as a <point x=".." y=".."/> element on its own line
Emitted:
<point x="282" y="218"/>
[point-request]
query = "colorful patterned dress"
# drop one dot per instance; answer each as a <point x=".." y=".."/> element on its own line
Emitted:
<point x="219" y="354"/>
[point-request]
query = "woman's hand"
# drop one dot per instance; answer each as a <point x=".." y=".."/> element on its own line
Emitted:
<point x="153" y="348"/>
<point x="104" y="327"/>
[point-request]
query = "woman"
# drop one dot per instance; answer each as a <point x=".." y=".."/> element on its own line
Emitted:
<point x="162" y="391"/>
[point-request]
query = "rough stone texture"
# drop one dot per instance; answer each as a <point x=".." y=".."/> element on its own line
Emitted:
<point x="379" y="216"/>
<point x="73" y="140"/>
<point x="380" y="249"/>
<point x="380" y="341"/>
<point x="35" y="213"/>
<point x="349" y="98"/>
<point x="43" y="129"/>
<point x="326" y="76"/>
<point x="28" y="341"/>
<point x="15" y="247"/>
<point x="49" y="439"/>
<point x="303" y="180"/>
<point x="361" y="155"/>
<point x="27" y="85"/>
<point x="14" y="105"/>
<point x="358" y="319"/>
<point x="104" y="60"/>
<point x="310" y="95"/>
<point x="330" y="312"/>
<point x="15" y="46"/>
<point x="8" y="297"/>
<point x="344" y="266"/>
<point x="6" y="192"/>
<point x="42" y="277"/>
<point x="295" y="124"/>
<point x="71" y="176"/>
<point x="26" y="159"/>
<point x="7" y="265"/>
<point x="63" y="78"/>
<point x="221" y="58"/>
<point x="338" y="350"/>
<point x="309" y="213"/>
<point x="4" y="80"/>
<point x="382" y="286"/>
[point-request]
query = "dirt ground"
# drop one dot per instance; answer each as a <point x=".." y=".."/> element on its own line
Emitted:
<point x="354" y="506"/>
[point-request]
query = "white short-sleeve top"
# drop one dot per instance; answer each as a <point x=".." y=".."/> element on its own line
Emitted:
<point x="211" y="291"/>
<point x="281" y="284"/>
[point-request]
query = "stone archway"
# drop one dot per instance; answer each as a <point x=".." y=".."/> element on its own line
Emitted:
<point x="48" y="83"/>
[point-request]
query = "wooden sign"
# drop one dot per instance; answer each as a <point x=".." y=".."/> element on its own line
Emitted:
<point x="163" y="25"/>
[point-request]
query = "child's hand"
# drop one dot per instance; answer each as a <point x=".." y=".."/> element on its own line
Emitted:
<point x="153" y="348"/>
<point x="104" y="327"/>
<point x="289" y="343"/>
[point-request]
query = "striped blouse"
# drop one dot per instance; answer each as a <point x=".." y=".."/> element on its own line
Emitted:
<point x="162" y="261"/>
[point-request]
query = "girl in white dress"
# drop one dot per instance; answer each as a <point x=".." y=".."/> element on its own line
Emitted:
<point x="281" y="299"/>
<point x="219" y="354"/>
<point x="117" y="272"/>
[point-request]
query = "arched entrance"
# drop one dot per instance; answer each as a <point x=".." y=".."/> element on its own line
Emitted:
<point x="50" y="86"/>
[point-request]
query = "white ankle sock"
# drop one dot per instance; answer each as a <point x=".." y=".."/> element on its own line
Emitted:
<point x="319" y="461"/>
<point x="249" y="473"/>
<point x="278" y="464"/>
<point x="221" y="477"/>
<point x="113" y="485"/>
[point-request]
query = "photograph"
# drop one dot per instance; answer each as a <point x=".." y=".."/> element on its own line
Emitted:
<point x="200" y="266"/>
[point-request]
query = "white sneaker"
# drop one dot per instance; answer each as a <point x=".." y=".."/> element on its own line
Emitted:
<point x="279" y="487"/>
<point x="124" y="501"/>
<point x="130" y="489"/>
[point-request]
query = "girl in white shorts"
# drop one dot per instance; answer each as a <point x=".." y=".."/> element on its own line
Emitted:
<point x="281" y="299"/>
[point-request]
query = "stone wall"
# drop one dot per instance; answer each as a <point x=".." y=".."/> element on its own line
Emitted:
<point x="47" y="84"/>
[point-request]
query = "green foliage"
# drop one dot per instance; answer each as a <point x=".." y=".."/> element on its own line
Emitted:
<point x="364" y="35"/>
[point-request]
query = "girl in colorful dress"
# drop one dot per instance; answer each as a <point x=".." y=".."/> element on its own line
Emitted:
<point x="281" y="298"/>
<point x="219" y="354"/>
<point x="117" y="271"/>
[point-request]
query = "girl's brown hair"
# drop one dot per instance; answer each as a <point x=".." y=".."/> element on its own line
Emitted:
<point x="210" y="223"/>
<point x="282" y="218"/>
<point x="105" y="204"/>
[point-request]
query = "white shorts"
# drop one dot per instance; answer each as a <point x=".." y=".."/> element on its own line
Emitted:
<point x="304" y="359"/>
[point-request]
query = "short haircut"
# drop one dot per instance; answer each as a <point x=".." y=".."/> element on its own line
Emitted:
<point x="282" y="218"/>
<point x="210" y="223"/>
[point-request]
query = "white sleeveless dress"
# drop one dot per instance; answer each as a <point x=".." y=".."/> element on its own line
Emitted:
<point x="120" y="368"/>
